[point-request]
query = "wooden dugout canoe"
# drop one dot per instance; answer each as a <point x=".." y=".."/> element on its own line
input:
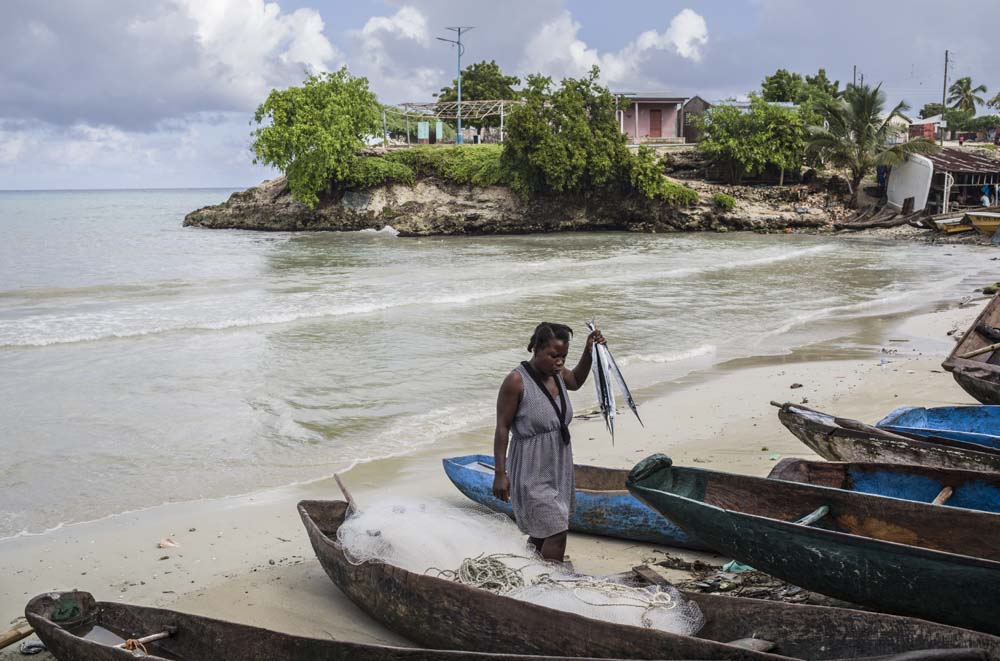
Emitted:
<point x="978" y="375"/>
<point x="839" y="439"/>
<point x="972" y="424"/>
<point x="927" y="561"/>
<point x="438" y="613"/>
<point x="92" y="633"/>
<point x="603" y="504"/>
<point x="976" y="490"/>
<point x="985" y="222"/>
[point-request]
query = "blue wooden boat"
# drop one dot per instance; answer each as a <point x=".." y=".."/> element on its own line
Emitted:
<point x="898" y="556"/>
<point x="973" y="424"/>
<point x="842" y="439"/>
<point x="975" y="490"/>
<point x="603" y="505"/>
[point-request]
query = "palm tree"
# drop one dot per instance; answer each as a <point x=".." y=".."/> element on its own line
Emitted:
<point x="857" y="132"/>
<point x="964" y="95"/>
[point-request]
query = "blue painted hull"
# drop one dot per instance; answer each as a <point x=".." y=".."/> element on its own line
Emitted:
<point x="972" y="424"/>
<point x="974" y="490"/>
<point x="610" y="513"/>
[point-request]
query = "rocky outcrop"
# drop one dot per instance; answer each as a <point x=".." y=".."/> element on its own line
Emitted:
<point x="433" y="207"/>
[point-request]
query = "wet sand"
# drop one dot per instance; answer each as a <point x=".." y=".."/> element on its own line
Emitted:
<point x="247" y="558"/>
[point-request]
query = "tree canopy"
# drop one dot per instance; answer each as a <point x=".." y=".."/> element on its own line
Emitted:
<point x="482" y="81"/>
<point x="931" y="110"/>
<point x="745" y="142"/>
<point x="856" y="134"/>
<point x="314" y="132"/>
<point x="964" y="96"/>
<point x="566" y="138"/>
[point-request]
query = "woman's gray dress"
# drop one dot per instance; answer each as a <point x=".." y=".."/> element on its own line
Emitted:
<point x="540" y="464"/>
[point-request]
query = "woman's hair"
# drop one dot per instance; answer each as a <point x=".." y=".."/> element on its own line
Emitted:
<point x="545" y="332"/>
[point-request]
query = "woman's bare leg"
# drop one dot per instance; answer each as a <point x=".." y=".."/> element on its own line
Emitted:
<point x="554" y="547"/>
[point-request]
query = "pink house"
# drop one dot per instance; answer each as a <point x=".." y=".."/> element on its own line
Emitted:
<point x="651" y="117"/>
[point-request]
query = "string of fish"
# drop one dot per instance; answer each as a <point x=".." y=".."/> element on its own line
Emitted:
<point x="489" y="572"/>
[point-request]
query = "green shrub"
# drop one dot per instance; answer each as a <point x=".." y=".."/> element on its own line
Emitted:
<point x="724" y="202"/>
<point x="369" y="171"/>
<point x="470" y="164"/>
<point x="646" y="177"/>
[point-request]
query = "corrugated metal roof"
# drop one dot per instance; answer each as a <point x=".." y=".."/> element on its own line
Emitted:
<point x="934" y="119"/>
<point x="959" y="160"/>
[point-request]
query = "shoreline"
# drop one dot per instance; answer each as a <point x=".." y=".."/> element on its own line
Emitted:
<point x="246" y="558"/>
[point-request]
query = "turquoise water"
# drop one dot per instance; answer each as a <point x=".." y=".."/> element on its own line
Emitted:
<point x="144" y="362"/>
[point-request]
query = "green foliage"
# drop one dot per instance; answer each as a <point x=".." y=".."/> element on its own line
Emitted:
<point x="314" y="132"/>
<point x="930" y="110"/>
<point x="746" y="142"/>
<point x="566" y="139"/>
<point x="369" y="171"/>
<point x="984" y="123"/>
<point x="482" y="81"/>
<point x="647" y="179"/>
<point x="724" y="202"/>
<point x="964" y="96"/>
<point x="783" y="85"/>
<point x="470" y="164"/>
<point x="856" y="135"/>
<point x="396" y="124"/>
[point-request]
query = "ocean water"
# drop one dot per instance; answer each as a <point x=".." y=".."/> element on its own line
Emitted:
<point x="142" y="362"/>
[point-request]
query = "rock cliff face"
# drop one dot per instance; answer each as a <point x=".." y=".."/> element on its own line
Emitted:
<point x="435" y="207"/>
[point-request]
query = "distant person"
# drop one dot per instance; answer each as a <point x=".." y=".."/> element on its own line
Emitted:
<point x="533" y="416"/>
<point x="985" y="199"/>
<point x="961" y="140"/>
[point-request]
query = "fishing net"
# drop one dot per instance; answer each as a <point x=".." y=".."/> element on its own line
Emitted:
<point x="486" y="550"/>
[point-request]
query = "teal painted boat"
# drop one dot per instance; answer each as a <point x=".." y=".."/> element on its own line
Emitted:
<point x="972" y="424"/>
<point x="933" y="562"/>
<point x="603" y="504"/>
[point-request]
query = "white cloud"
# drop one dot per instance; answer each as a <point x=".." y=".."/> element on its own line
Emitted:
<point x="250" y="45"/>
<point x="556" y="48"/>
<point x="385" y="55"/>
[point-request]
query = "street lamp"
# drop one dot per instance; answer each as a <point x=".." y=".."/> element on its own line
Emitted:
<point x="461" y="49"/>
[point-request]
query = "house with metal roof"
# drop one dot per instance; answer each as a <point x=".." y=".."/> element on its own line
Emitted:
<point x="650" y="117"/>
<point x="948" y="180"/>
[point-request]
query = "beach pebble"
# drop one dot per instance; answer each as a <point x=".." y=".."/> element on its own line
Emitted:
<point x="795" y="385"/>
<point x="167" y="543"/>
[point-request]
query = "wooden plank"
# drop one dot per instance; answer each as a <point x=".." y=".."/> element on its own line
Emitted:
<point x="942" y="497"/>
<point x="13" y="635"/>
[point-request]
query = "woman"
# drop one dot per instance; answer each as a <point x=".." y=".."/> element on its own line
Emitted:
<point x="534" y="412"/>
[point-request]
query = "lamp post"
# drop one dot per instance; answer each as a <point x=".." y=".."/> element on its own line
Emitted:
<point x="461" y="49"/>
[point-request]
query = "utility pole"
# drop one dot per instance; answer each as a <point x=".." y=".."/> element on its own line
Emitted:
<point x="461" y="49"/>
<point x="944" y="93"/>
<point x="855" y="80"/>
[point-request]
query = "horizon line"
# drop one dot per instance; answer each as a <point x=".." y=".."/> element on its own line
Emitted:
<point x="112" y="190"/>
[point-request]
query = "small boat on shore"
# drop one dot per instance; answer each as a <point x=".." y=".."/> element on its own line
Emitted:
<point x="842" y="439"/>
<point x="603" y="504"/>
<point x="952" y="224"/>
<point x="436" y="612"/>
<point x="972" y="424"/>
<point x="985" y="222"/>
<point x="975" y="490"/>
<point x="940" y="564"/>
<point x="975" y="361"/>
<point x="75" y="627"/>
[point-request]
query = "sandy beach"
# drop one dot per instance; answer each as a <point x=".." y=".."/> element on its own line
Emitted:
<point x="247" y="558"/>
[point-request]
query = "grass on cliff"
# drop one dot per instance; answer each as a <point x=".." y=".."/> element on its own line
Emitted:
<point x="479" y="165"/>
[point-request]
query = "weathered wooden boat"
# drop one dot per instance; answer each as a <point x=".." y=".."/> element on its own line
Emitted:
<point x="841" y="439"/>
<point x="603" y="504"/>
<point x="973" y="424"/>
<point x="975" y="490"/>
<point x="899" y="556"/>
<point x="975" y="361"/>
<point x="953" y="224"/>
<point x="985" y="222"/>
<point x="76" y="627"/>
<point x="439" y="613"/>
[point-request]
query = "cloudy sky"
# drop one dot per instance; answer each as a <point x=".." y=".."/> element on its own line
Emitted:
<point x="160" y="93"/>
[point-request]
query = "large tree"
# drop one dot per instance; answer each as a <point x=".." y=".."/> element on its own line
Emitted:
<point x="931" y="110"/>
<point x="313" y="133"/>
<point x="746" y="141"/>
<point x="482" y="81"/>
<point x="856" y="135"/>
<point x="964" y="96"/>
<point x="783" y="85"/>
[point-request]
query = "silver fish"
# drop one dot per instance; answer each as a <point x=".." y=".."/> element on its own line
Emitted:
<point x="602" y="382"/>
<point x="613" y="371"/>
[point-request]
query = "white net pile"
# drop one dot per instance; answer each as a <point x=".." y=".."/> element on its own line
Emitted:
<point x="486" y="550"/>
